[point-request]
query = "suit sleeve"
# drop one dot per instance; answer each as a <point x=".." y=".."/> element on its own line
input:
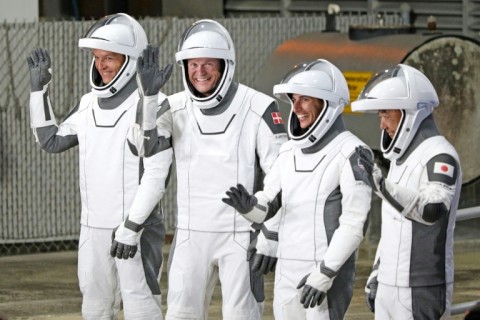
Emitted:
<point x="356" y="198"/>
<point x="53" y="138"/>
<point x="438" y="186"/>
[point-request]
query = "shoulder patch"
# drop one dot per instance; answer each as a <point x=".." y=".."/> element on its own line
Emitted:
<point x="443" y="168"/>
<point x="273" y="118"/>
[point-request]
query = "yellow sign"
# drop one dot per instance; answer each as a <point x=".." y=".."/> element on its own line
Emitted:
<point x="356" y="80"/>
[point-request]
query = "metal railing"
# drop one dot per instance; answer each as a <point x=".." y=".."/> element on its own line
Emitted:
<point x="465" y="214"/>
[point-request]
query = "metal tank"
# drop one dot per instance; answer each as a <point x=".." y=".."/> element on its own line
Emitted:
<point x="451" y="62"/>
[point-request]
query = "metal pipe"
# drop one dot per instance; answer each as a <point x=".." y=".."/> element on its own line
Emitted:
<point x="460" y="308"/>
<point x="468" y="213"/>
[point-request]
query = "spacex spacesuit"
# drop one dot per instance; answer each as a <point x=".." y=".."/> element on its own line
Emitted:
<point x="110" y="173"/>
<point x="413" y="266"/>
<point x="324" y="202"/>
<point x="225" y="137"/>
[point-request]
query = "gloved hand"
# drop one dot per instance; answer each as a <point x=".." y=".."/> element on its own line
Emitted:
<point x="264" y="251"/>
<point x="315" y="286"/>
<point x="369" y="172"/>
<point x="399" y="197"/>
<point x="240" y="199"/>
<point x="150" y="77"/>
<point x="245" y="203"/>
<point x="371" y="290"/>
<point x="125" y="239"/>
<point x="39" y="64"/>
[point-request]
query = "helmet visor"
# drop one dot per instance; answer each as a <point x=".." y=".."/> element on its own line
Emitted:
<point x="115" y="19"/>
<point x="395" y="72"/>
<point x="205" y="39"/>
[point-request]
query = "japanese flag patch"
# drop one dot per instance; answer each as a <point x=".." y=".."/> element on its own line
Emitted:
<point x="443" y="168"/>
<point x="277" y="118"/>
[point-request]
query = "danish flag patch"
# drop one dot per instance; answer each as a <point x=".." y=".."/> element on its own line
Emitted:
<point x="443" y="168"/>
<point x="277" y="118"/>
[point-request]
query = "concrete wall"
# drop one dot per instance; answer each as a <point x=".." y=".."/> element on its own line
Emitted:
<point x="19" y="10"/>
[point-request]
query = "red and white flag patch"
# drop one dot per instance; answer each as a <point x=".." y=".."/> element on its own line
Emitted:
<point x="443" y="168"/>
<point x="277" y="118"/>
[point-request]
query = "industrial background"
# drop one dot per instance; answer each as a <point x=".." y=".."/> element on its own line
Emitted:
<point x="39" y="194"/>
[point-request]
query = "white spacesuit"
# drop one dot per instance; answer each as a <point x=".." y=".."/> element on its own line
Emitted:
<point x="324" y="202"/>
<point x="414" y="260"/>
<point x="226" y="137"/>
<point x="111" y="173"/>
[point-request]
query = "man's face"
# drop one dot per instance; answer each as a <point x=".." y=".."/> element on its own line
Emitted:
<point x="307" y="109"/>
<point x="204" y="74"/>
<point x="389" y="121"/>
<point x="108" y="64"/>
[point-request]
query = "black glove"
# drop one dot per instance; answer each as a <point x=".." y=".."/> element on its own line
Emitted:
<point x="240" y="199"/>
<point x="39" y="64"/>
<point x="264" y="264"/>
<point x="371" y="290"/>
<point x="263" y="251"/>
<point x="125" y="239"/>
<point x="310" y="297"/>
<point x="150" y="77"/>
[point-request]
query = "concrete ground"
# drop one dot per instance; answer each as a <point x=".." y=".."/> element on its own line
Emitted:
<point x="44" y="286"/>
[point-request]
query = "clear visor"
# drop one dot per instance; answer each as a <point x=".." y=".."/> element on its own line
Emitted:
<point x="395" y="72"/>
<point x="119" y="19"/>
<point x="295" y="70"/>
<point x="201" y="26"/>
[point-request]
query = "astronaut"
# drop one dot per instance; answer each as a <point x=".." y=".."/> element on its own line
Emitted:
<point x="412" y="276"/>
<point x="110" y="172"/>
<point x="325" y="203"/>
<point x="223" y="133"/>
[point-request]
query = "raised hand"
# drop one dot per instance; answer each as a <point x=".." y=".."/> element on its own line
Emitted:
<point x="150" y="77"/>
<point x="39" y="64"/>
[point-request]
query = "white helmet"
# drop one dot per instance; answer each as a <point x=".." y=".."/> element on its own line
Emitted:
<point x="207" y="39"/>
<point x="117" y="33"/>
<point x="319" y="79"/>
<point x="399" y="88"/>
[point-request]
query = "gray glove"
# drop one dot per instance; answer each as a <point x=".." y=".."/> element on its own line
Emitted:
<point x="125" y="239"/>
<point x="367" y="167"/>
<point x="401" y="198"/>
<point x="315" y="286"/>
<point x="371" y="290"/>
<point x="39" y="64"/>
<point x="240" y="199"/>
<point x="310" y="297"/>
<point x="263" y="251"/>
<point x="150" y="77"/>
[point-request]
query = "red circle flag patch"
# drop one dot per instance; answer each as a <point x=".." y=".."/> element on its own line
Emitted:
<point x="443" y="168"/>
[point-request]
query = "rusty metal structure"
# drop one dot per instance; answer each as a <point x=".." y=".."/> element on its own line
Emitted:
<point x="452" y="63"/>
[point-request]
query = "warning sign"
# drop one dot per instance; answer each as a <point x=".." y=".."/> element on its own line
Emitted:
<point x="356" y="80"/>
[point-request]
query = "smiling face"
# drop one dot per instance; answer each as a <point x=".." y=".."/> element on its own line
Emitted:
<point x="389" y="121"/>
<point x="108" y="64"/>
<point x="307" y="109"/>
<point x="204" y="74"/>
